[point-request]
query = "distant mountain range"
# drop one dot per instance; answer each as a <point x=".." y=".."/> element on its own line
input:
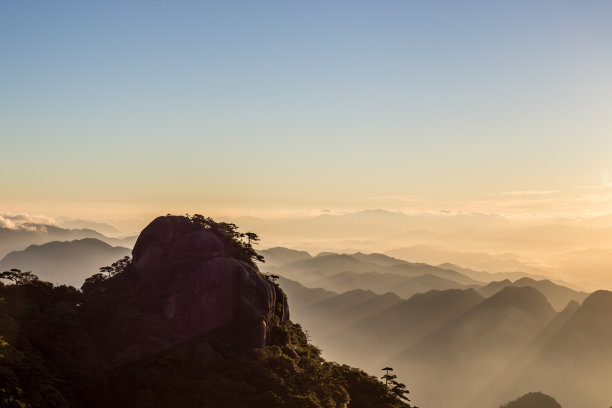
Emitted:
<point x="377" y="272"/>
<point x="558" y="296"/>
<point x="381" y="273"/>
<point x="580" y="249"/>
<point x="347" y="325"/>
<point x="482" y="346"/>
<point x="574" y="358"/>
<point x="16" y="239"/>
<point x="484" y="276"/>
<point x="479" y="344"/>
<point x="506" y="262"/>
<point x="101" y="227"/>
<point x="68" y="262"/>
<point x="480" y="337"/>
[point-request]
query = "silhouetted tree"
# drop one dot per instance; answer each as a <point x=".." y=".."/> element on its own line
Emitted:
<point x="396" y="389"/>
<point x="252" y="237"/>
<point x="399" y="390"/>
<point x="94" y="283"/>
<point x="106" y="269"/>
<point x="229" y="232"/>
<point x="19" y="277"/>
<point x="121" y="265"/>
<point x="117" y="267"/>
<point x="388" y="377"/>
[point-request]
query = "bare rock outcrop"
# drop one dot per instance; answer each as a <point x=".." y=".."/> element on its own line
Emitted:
<point x="185" y="282"/>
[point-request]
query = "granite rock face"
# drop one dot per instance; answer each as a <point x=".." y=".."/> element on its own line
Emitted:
<point x="183" y="284"/>
<point x="174" y="239"/>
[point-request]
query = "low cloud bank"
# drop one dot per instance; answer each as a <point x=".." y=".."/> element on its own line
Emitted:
<point x="24" y="221"/>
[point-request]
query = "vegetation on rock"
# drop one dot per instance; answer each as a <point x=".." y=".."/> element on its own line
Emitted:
<point x="233" y="239"/>
<point x="61" y="347"/>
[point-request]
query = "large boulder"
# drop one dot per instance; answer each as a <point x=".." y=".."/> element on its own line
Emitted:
<point x="183" y="284"/>
<point x="172" y="239"/>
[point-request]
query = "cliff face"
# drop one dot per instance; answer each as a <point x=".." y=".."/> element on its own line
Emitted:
<point x="182" y="284"/>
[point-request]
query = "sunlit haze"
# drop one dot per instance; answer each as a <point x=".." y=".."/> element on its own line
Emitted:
<point x="246" y="108"/>
<point x="233" y="203"/>
<point x="119" y="112"/>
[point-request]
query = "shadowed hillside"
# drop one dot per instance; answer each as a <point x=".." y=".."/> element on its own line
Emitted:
<point x="480" y="351"/>
<point x="393" y="328"/>
<point x="558" y="296"/>
<point x="579" y="353"/>
<point x="188" y="322"/>
<point x="478" y="344"/>
<point x="66" y="262"/>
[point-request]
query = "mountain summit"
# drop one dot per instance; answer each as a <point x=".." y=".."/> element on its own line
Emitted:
<point x="188" y="322"/>
<point x="188" y="278"/>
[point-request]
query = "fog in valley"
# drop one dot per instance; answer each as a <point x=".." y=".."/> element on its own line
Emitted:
<point x="470" y="310"/>
<point x="474" y="343"/>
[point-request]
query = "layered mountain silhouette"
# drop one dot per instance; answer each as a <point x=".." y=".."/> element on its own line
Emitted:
<point x="499" y="325"/>
<point x="484" y="276"/>
<point x="193" y="292"/>
<point x="331" y="264"/>
<point x="480" y="261"/>
<point x="558" y="296"/>
<point x="576" y="359"/>
<point x="384" y="282"/>
<point x="480" y="350"/>
<point x="327" y="312"/>
<point x="279" y="256"/>
<point x="376" y="272"/>
<point x="190" y="321"/>
<point x="101" y="227"/>
<point x="68" y="262"/>
<point x="390" y="329"/>
<point x="17" y="239"/>
<point x="381" y="273"/>
<point x="464" y="352"/>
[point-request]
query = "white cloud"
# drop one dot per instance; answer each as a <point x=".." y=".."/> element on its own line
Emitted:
<point x="24" y="221"/>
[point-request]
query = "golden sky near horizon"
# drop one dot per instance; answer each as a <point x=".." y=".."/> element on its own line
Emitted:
<point x="295" y="110"/>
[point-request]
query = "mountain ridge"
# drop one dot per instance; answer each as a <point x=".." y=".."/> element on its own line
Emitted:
<point x="64" y="261"/>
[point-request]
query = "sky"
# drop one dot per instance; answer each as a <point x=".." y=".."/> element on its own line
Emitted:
<point x="131" y="108"/>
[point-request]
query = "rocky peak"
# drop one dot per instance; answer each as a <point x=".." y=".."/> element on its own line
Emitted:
<point x="173" y="239"/>
<point x="186" y="281"/>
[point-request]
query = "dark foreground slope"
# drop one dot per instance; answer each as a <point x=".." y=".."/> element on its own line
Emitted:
<point x="189" y="322"/>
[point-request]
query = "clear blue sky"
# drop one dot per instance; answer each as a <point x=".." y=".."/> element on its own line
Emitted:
<point x="260" y="105"/>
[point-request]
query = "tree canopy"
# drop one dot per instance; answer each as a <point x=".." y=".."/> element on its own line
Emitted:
<point x="19" y="277"/>
<point x="397" y="390"/>
<point x="232" y="237"/>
